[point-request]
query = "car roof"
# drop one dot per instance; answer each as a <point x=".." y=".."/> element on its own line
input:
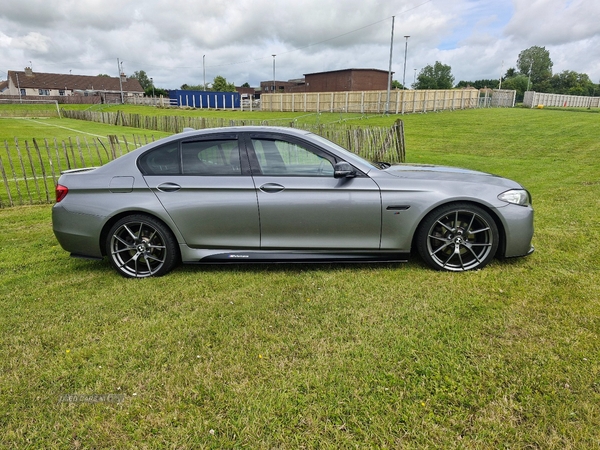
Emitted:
<point x="245" y="129"/>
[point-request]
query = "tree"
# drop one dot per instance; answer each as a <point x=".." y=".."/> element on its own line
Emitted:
<point x="396" y="85"/>
<point x="245" y="85"/>
<point x="572" y="83"/>
<point x="103" y="75"/>
<point x="537" y="61"/>
<point x="517" y="83"/>
<point x="479" y="84"/>
<point x="192" y="87"/>
<point x="141" y="76"/>
<point x="438" y="76"/>
<point x="220" y="84"/>
<point x="510" y="73"/>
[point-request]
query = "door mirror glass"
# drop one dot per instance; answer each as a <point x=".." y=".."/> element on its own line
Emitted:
<point x="343" y="170"/>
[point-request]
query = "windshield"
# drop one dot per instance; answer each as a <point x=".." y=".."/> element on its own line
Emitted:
<point x="351" y="157"/>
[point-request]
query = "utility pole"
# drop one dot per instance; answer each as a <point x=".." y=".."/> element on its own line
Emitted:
<point x="120" y="69"/>
<point x="203" y="73"/>
<point x="405" y="52"/>
<point x="274" y="73"/>
<point x="19" y="88"/>
<point x="389" y="83"/>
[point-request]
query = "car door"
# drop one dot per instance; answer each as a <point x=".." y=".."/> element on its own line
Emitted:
<point x="206" y="187"/>
<point x="301" y="204"/>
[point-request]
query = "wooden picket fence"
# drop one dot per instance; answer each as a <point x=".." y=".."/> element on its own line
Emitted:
<point x="374" y="143"/>
<point x="30" y="168"/>
<point x="372" y="102"/>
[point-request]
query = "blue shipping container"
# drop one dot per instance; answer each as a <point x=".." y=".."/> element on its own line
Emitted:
<point x="206" y="99"/>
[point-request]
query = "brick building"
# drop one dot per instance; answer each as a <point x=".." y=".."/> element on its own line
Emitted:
<point x="347" y="80"/>
<point x="331" y="81"/>
<point x="277" y="86"/>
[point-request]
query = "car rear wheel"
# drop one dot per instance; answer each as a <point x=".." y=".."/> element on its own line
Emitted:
<point x="458" y="237"/>
<point x="140" y="246"/>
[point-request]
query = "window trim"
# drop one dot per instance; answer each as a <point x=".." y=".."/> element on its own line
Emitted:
<point x="255" y="165"/>
<point x="244" y="162"/>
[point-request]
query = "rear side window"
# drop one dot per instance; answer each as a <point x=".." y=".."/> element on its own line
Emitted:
<point x="219" y="157"/>
<point x="161" y="161"/>
<point x="215" y="157"/>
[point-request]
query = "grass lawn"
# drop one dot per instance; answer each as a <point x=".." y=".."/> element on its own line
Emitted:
<point x="63" y="129"/>
<point x="324" y="356"/>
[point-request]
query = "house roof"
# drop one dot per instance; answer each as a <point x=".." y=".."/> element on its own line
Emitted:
<point x="37" y="80"/>
<point x="3" y="85"/>
<point x="346" y="70"/>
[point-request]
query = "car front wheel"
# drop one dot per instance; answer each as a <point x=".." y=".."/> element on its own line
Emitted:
<point x="140" y="246"/>
<point x="457" y="237"/>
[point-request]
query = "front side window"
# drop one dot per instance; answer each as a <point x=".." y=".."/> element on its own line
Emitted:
<point x="44" y="91"/>
<point x="282" y="158"/>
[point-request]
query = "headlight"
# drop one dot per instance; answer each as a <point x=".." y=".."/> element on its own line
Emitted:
<point x="516" y="197"/>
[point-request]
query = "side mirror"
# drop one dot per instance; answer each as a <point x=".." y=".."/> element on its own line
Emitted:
<point x="343" y="170"/>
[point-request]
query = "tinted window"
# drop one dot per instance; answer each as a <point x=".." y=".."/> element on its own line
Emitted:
<point x="161" y="161"/>
<point x="284" y="158"/>
<point x="220" y="157"/>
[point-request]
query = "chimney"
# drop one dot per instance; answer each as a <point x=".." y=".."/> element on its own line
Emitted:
<point x="28" y="72"/>
<point x="123" y="77"/>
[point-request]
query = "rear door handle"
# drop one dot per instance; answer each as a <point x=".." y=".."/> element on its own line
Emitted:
<point x="168" y="187"/>
<point x="272" y="188"/>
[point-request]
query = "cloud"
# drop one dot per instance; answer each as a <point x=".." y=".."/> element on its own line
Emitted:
<point x="477" y="38"/>
<point x="554" y="22"/>
<point x="33" y="42"/>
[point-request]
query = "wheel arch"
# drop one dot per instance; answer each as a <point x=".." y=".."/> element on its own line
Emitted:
<point x="114" y="219"/>
<point x="499" y="224"/>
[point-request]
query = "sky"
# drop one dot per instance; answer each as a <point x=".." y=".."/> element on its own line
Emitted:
<point x="188" y="41"/>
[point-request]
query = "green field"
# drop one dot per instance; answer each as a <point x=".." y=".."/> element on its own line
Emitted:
<point x="323" y="356"/>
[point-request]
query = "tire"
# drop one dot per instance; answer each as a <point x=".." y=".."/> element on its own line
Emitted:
<point x="140" y="246"/>
<point x="457" y="237"/>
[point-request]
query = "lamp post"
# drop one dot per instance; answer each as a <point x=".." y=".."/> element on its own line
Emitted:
<point x="405" y="52"/>
<point x="389" y="83"/>
<point x="152" y="83"/>
<point x="203" y="73"/>
<point x="120" y="68"/>
<point x="274" y="74"/>
<point x="415" y="79"/>
<point x="529" y="78"/>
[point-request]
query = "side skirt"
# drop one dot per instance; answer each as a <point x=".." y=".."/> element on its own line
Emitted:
<point x="237" y="257"/>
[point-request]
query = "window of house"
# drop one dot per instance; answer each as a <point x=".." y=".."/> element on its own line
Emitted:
<point x="44" y="91"/>
<point x="23" y="92"/>
<point x="61" y="92"/>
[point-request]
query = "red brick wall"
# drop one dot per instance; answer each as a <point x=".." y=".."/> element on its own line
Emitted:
<point x="347" y="80"/>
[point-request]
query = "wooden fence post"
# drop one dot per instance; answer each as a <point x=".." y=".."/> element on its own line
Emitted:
<point x="43" y="168"/>
<point x="6" y="186"/>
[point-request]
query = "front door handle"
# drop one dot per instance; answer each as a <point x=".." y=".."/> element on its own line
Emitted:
<point x="168" y="187"/>
<point x="271" y="188"/>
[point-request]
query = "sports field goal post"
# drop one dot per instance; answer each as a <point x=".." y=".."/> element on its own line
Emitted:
<point x="21" y="107"/>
